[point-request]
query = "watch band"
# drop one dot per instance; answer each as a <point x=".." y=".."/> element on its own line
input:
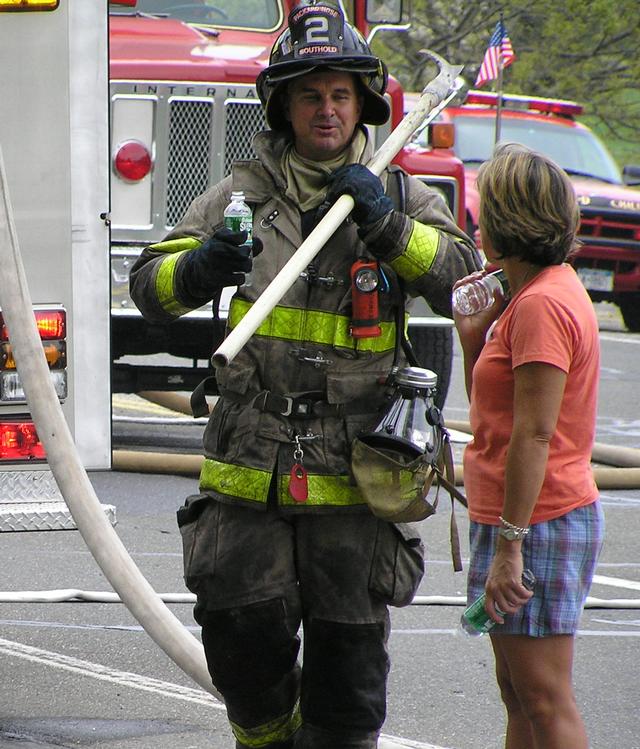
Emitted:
<point x="512" y="532"/>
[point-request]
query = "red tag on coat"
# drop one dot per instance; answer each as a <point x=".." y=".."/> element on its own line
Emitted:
<point x="298" y="487"/>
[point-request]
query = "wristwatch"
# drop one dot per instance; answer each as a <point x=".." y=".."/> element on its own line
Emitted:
<point x="512" y="532"/>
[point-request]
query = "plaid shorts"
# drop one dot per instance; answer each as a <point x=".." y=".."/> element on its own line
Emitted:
<point x="562" y="554"/>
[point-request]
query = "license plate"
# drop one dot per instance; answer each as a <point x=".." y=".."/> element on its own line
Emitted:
<point x="596" y="279"/>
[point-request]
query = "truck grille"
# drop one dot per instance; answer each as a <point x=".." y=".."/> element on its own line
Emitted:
<point x="195" y="131"/>
<point x="243" y="120"/>
<point x="188" y="155"/>
<point x="190" y="158"/>
<point x="610" y="240"/>
<point x="610" y="227"/>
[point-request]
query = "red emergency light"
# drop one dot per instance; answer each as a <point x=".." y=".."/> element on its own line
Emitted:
<point x="52" y="328"/>
<point x="132" y="160"/>
<point x="51" y="324"/>
<point x="19" y="441"/>
<point x="561" y="107"/>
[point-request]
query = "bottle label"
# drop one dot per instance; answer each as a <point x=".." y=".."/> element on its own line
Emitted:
<point x="240" y="223"/>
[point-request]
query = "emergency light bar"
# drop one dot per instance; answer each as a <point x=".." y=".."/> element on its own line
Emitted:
<point x="560" y="107"/>
<point x="15" y="5"/>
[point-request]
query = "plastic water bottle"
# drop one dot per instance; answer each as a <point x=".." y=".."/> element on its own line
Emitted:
<point x="480" y="294"/>
<point x="475" y="621"/>
<point x="238" y="217"/>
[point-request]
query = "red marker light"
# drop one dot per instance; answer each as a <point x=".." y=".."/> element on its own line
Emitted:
<point x="132" y="160"/>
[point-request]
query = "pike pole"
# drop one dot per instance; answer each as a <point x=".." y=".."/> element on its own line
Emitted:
<point x="433" y="96"/>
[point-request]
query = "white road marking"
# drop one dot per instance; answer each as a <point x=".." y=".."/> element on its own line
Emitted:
<point x="147" y="684"/>
<point x="616" y="582"/>
<point x="619" y="339"/>
<point x="392" y="742"/>
<point x="104" y="673"/>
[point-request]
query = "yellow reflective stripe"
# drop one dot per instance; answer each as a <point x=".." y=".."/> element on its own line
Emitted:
<point x="313" y="326"/>
<point x="225" y="478"/>
<point x="253" y="484"/>
<point x="329" y="491"/>
<point x="176" y="245"/>
<point x="275" y="731"/>
<point x="165" y="285"/>
<point x="419" y="253"/>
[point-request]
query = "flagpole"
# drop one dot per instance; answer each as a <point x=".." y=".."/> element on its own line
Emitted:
<point x="498" y="126"/>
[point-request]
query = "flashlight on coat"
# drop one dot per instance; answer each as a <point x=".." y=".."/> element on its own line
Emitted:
<point x="365" y="288"/>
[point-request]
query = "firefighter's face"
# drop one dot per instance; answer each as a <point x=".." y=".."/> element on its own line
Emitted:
<point x="324" y="109"/>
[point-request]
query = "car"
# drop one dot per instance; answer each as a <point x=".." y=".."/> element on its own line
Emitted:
<point x="608" y="261"/>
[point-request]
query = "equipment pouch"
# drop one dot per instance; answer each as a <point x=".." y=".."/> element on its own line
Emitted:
<point x="398" y="563"/>
<point x="198" y="524"/>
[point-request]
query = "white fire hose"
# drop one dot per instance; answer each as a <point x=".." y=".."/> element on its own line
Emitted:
<point x="105" y="546"/>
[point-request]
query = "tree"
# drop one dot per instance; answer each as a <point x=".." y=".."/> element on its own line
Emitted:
<point x="585" y="50"/>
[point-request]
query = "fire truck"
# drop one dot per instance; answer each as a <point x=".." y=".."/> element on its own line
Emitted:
<point x="608" y="261"/>
<point x="54" y="141"/>
<point x="183" y="108"/>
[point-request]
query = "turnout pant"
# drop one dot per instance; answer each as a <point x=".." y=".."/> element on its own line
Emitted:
<point x="260" y="575"/>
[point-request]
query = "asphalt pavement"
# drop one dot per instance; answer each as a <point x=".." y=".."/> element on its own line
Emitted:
<point x="79" y="673"/>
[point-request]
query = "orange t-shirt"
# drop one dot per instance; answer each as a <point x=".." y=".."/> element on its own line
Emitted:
<point x="550" y="320"/>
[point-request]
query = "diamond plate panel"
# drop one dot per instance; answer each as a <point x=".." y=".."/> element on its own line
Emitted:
<point x="42" y="516"/>
<point x="28" y="486"/>
<point x="31" y="501"/>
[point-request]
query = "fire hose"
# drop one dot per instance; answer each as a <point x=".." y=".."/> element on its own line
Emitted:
<point x="101" y="539"/>
<point x="105" y="546"/>
<point x="617" y="467"/>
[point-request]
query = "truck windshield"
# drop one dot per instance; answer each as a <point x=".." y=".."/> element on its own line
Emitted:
<point x="254" y="15"/>
<point x="578" y="152"/>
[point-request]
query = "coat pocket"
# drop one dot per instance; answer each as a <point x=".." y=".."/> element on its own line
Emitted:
<point x="398" y="563"/>
<point x="198" y="524"/>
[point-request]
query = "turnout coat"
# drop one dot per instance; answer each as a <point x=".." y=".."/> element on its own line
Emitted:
<point x="302" y="388"/>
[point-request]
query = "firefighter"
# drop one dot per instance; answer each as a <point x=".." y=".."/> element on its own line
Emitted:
<point x="279" y="536"/>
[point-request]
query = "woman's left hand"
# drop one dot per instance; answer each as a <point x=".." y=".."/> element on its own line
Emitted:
<point x="504" y="588"/>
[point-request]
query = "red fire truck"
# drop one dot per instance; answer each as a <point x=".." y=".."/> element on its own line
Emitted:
<point x="183" y="108"/>
<point x="608" y="261"/>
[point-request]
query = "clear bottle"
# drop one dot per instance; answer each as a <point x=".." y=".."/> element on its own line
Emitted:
<point x="238" y="217"/>
<point x="475" y="621"/>
<point x="478" y="295"/>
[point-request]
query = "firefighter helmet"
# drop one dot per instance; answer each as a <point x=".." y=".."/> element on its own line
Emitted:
<point x="319" y="38"/>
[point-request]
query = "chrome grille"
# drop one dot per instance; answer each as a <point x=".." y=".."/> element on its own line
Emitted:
<point x="188" y="154"/>
<point x="243" y="120"/>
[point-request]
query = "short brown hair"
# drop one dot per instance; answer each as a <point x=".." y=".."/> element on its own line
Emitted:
<point x="528" y="206"/>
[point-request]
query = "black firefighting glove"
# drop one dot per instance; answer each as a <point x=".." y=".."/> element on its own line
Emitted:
<point x="221" y="260"/>
<point x="371" y="203"/>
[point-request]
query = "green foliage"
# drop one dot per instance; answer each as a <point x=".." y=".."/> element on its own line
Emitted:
<point x="584" y="50"/>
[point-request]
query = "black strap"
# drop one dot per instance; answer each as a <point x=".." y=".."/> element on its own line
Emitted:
<point x="307" y="405"/>
<point x="198" y="401"/>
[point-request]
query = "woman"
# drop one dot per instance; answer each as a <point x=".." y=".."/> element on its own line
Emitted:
<point x="531" y="372"/>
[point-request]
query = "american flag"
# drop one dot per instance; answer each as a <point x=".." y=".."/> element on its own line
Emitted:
<point x="499" y="54"/>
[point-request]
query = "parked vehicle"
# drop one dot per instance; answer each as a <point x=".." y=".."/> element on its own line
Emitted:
<point x="609" y="259"/>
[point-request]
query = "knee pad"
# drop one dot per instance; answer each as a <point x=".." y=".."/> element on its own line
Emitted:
<point x="250" y="647"/>
<point x="344" y="676"/>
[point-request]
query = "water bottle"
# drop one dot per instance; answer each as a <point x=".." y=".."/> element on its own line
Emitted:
<point x="480" y="294"/>
<point x="238" y="217"/>
<point x="475" y="621"/>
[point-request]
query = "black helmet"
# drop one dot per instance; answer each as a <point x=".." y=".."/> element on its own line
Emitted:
<point x="318" y="37"/>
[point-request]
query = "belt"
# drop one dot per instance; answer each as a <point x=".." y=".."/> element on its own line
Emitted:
<point x="302" y="406"/>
